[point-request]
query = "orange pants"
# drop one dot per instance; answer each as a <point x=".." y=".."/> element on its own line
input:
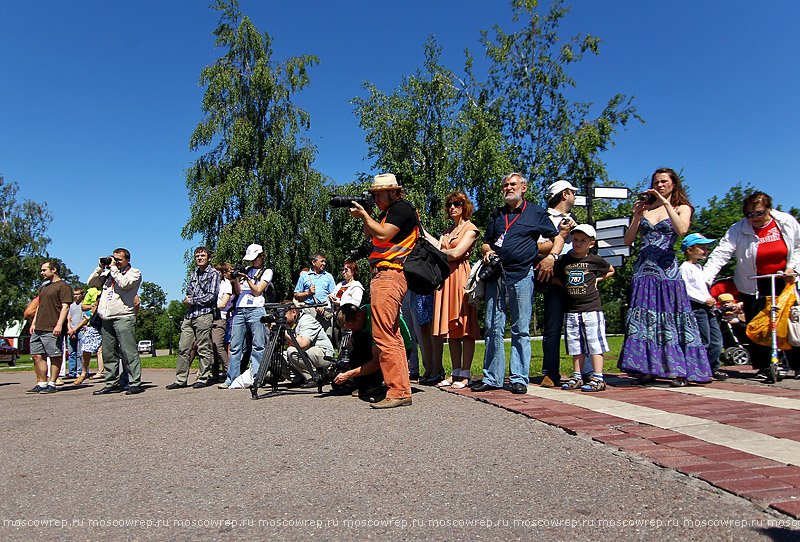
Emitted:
<point x="387" y="288"/>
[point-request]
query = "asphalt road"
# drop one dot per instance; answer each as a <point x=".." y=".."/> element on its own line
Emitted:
<point x="213" y="464"/>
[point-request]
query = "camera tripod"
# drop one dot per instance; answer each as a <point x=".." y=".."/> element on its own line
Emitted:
<point x="272" y="364"/>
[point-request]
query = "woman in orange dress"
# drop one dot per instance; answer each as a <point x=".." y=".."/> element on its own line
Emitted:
<point x="453" y="317"/>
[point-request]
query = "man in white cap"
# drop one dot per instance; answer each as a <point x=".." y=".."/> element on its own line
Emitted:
<point x="560" y="201"/>
<point x="250" y="288"/>
<point x="393" y="235"/>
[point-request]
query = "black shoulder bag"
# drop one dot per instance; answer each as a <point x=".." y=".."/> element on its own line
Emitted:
<point x="426" y="266"/>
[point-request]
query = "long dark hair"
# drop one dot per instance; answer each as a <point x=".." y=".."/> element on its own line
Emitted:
<point x="678" y="196"/>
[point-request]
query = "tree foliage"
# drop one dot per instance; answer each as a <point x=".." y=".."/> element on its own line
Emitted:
<point x="23" y="244"/>
<point x="435" y="133"/>
<point x="552" y="136"/>
<point x="254" y="183"/>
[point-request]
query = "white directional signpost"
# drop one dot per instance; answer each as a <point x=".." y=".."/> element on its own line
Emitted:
<point x="610" y="231"/>
<point x="610" y="239"/>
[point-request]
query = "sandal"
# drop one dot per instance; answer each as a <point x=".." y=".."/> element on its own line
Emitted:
<point x="572" y="384"/>
<point x="444" y="384"/>
<point x="678" y="383"/>
<point x="595" y="384"/>
<point x="97" y="376"/>
<point x="460" y="385"/>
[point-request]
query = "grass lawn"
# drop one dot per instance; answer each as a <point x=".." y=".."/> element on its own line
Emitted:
<point x="610" y="366"/>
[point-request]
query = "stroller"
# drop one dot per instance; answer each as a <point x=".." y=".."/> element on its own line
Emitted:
<point x="734" y="349"/>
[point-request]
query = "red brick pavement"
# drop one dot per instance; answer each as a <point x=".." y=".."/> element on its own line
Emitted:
<point x="761" y="480"/>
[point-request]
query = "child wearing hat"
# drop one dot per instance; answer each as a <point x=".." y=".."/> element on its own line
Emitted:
<point x="695" y="248"/>
<point x="579" y="272"/>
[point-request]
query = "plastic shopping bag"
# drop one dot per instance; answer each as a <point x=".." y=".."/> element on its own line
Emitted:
<point x="758" y="329"/>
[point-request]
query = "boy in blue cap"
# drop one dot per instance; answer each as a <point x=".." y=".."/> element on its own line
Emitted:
<point x="695" y="248"/>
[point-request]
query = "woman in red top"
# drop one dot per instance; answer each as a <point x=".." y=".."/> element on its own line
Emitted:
<point x="766" y="241"/>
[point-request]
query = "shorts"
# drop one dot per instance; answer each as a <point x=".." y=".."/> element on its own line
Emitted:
<point x="585" y="333"/>
<point x="92" y="340"/>
<point x="44" y="343"/>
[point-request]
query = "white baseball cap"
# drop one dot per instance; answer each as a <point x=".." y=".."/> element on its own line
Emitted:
<point x="559" y="186"/>
<point x="252" y="252"/>
<point x="587" y="229"/>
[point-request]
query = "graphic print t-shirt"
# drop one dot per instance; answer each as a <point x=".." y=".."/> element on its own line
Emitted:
<point x="579" y="278"/>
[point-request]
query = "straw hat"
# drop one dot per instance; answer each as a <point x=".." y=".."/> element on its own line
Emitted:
<point x="384" y="181"/>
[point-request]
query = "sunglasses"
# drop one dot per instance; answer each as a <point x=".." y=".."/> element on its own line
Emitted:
<point x="755" y="214"/>
<point x="454" y="204"/>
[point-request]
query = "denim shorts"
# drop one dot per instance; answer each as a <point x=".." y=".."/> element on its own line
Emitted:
<point x="44" y="343"/>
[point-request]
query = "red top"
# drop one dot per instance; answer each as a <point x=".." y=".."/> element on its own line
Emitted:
<point x="772" y="251"/>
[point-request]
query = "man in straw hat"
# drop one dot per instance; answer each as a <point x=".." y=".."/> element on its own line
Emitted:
<point x="393" y="236"/>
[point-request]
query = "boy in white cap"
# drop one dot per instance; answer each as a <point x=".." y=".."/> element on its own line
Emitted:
<point x="695" y="248"/>
<point x="579" y="272"/>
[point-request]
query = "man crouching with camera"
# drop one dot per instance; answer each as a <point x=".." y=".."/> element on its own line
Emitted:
<point x="311" y="338"/>
<point x="393" y="236"/>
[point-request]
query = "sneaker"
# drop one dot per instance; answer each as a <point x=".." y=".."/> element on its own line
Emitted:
<point x="36" y="389"/>
<point x="49" y="389"/>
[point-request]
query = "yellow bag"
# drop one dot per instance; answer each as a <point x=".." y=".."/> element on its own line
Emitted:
<point x="758" y="329"/>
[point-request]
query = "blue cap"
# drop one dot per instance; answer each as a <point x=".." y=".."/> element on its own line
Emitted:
<point x="696" y="239"/>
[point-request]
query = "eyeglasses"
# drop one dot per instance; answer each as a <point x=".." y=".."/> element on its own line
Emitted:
<point x="755" y="214"/>
<point x="454" y="204"/>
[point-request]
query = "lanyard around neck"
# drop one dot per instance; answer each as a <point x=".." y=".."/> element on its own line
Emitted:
<point x="525" y="204"/>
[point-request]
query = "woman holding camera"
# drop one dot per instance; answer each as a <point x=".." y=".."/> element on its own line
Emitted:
<point x="453" y="317"/>
<point x="661" y="334"/>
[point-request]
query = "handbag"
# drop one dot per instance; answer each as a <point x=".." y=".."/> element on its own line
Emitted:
<point x="426" y="267"/>
<point x="95" y="321"/>
<point x="793" y="334"/>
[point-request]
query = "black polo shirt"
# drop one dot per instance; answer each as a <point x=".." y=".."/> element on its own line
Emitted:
<point x="526" y="224"/>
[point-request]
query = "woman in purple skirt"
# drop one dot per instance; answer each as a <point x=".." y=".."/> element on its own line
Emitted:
<point x="661" y="334"/>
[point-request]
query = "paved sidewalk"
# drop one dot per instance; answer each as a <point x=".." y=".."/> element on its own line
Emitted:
<point x="740" y="435"/>
<point x="210" y="464"/>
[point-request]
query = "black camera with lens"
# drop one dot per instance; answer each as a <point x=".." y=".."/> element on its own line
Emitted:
<point x="362" y="251"/>
<point x="491" y="271"/>
<point x="646" y="197"/>
<point x="365" y="200"/>
<point x="239" y="270"/>
<point x="105" y="261"/>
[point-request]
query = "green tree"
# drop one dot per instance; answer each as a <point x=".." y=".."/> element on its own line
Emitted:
<point x="254" y="183"/>
<point x="23" y="244"/>
<point x="152" y="299"/>
<point x="551" y="135"/>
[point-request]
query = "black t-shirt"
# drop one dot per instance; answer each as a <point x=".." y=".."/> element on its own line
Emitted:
<point x="579" y="277"/>
<point x="402" y="215"/>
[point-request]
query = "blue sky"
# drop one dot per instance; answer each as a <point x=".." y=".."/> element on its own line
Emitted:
<point x="98" y="99"/>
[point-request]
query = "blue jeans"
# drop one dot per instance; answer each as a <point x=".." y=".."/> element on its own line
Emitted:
<point x="519" y="305"/>
<point x="246" y="319"/>
<point x="710" y="335"/>
<point x="74" y="354"/>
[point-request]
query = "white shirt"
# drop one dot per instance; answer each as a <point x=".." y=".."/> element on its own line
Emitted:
<point x="556" y="217"/>
<point x="225" y="287"/>
<point x="692" y="275"/>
